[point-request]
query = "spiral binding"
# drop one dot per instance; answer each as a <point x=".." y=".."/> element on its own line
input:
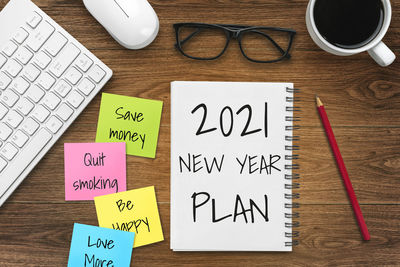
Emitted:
<point x="290" y="166"/>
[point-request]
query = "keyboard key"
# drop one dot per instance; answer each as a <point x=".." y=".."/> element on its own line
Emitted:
<point x="9" y="151"/>
<point x="42" y="60"/>
<point x="20" y="85"/>
<point x="13" y="118"/>
<point x="75" y="99"/>
<point x="64" y="59"/>
<point x="64" y="112"/>
<point x="31" y="72"/>
<point x="24" y="106"/>
<point x="46" y="80"/>
<point x="51" y="101"/>
<point x="73" y="75"/>
<point x="44" y="55"/>
<point x="35" y="93"/>
<point x="55" y="43"/>
<point x="30" y="126"/>
<point x="86" y="86"/>
<point x="97" y="73"/>
<point x="5" y="131"/>
<point x="62" y="88"/>
<point x="4" y="80"/>
<point x="23" y="55"/>
<point x="3" y="164"/>
<point x="3" y="60"/>
<point x="39" y="36"/>
<point x="13" y="67"/>
<point x="54" y="124"/>
<point x="9" y="97"/>
<point x="19" y="138"/>
<point x="22" y="160"/>
<point x="3" y="110"/>
<point x="9" y="48"/>
<point x="40" y="113"/>
<point x="34" y="20"/>
<point x="83" y="62"/>
<point x="20" y="35"/>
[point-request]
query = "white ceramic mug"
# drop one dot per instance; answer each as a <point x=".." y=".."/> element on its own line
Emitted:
<point x="376" y="48"/>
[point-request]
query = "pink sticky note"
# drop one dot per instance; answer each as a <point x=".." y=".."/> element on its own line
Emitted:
<point x="94" y="169"/>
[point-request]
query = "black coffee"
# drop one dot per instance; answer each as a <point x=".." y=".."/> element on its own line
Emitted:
<point x="348" y="23"/>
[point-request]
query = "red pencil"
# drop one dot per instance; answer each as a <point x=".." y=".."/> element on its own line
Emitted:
<point x="343" y="171"/>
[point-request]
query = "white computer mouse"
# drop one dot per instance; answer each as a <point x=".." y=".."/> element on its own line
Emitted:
<point x="132" y="23"/>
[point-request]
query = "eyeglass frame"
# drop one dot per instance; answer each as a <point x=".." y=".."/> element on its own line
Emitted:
<point x="235" y="31"/>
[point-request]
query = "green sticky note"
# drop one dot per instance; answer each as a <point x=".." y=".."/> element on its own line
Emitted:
<point x="135" y="121"/>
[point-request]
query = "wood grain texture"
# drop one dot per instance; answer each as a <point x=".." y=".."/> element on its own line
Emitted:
<point x="31" y="240"/>
<point x="362" y="101"/>
<point x="373" y="170"/>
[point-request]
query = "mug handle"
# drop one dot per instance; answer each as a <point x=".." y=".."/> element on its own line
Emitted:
<point x="382" y="54"/>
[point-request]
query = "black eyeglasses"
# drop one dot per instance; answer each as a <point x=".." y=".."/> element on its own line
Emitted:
<point x="209" y="41"/>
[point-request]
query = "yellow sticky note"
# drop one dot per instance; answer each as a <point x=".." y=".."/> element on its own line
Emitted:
<point x="132" y="211"/>
<point x="135" y="121"/>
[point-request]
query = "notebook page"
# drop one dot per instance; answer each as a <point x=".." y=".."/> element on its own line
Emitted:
<point x="228" y="166"/>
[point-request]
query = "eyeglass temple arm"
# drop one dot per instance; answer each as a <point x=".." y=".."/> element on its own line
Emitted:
<point x="273" y="42"/>
<point x="234" y="26"/>
<point x="240" y="27"/>
<point x="189" y="37"/>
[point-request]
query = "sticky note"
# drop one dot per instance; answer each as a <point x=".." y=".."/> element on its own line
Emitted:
<point x="94" y="169"/>
<point x="96" y="246"/>
<point x="135" y="121"/>
<point x="134" y="211"/>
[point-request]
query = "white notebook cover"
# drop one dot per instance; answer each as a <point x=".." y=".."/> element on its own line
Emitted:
<point x="225" y="185"/>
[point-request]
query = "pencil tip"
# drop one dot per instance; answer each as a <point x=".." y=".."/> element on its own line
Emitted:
<point x="319" y="102"/>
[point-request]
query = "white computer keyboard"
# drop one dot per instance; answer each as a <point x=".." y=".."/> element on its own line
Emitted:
<point x="46" y="79"/>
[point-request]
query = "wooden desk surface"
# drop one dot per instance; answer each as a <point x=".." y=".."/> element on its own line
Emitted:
<point x="361" y="98"/>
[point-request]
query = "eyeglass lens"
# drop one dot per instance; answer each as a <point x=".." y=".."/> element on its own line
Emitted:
<point x="264" y="44"/>
<point x="202" y="42"/>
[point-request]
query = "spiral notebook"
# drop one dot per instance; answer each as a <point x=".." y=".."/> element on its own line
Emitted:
<point x="231" y="166"/>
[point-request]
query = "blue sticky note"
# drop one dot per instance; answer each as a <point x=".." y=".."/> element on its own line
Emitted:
<point x="96" y="246"/>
